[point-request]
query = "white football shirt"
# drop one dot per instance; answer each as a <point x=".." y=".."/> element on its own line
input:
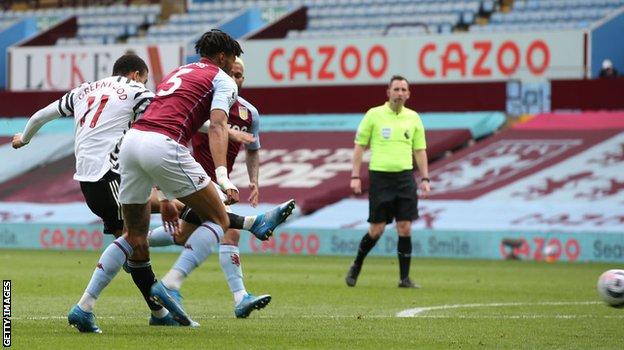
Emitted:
<point x="103" y="111"/>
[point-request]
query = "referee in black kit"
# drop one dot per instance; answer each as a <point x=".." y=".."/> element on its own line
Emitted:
<point x="396" y="137"/>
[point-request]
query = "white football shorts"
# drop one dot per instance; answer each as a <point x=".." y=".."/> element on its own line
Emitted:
<point x="148" y="159"/>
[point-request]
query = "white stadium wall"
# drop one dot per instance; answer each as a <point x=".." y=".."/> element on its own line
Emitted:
<point x="421" y="59"/>
<point x="51" y="68"/>
<point x="281" y="63"/>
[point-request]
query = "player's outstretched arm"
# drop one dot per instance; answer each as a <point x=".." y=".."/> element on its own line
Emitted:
<point x="39" y="119"/>
<point x="233" y="135"/>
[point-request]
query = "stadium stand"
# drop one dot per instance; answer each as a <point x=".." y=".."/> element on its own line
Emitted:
<point x="552" y="164"/>
<point x="557" y="172"/>
<point x="346" y="18"/>
<point x="549" y="15"/>
<point x="96" y="25"/>
<point x="49" y="169"/>
<point x="365" y="18"/>
<point x="183" y="26"/>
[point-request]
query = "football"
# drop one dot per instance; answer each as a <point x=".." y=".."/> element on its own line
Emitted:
<point x="611" y="287"/>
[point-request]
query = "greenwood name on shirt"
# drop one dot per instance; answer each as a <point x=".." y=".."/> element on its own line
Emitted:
<point x="103" y="111"/>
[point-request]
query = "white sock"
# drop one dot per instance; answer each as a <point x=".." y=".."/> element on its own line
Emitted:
<point x="229" y="259"/>
<point x="173" y="279"/>
<point x="87" y="302"/>
<point x="248" y="222"/>
<point x="239" y="295"/>
<point x="158" y="237"/>
<point x="106" y="269"/>
<point x="160" y="313"/>
<point x="196" y="250"/>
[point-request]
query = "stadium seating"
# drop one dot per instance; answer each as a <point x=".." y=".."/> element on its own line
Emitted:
<point x="375" y="17"/>
<point x="346" y="18"/>
<point x="549" y="15"/>
<point x="4" y="24"/>
<point x="96" y="25"/>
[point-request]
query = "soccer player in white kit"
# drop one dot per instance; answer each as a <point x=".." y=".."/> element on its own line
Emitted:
<point x="103" y="111"/>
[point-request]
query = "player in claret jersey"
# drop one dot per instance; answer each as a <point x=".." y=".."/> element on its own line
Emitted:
<point x="103" y="111"/>
<point x="154" y="152"/>
<point x="243" y="117"/>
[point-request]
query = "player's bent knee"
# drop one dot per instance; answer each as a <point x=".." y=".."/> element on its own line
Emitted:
<point x="208" y="206"/>
<point x="376" y="230"/>
<point x="231" y="237"/>
<point x="224" y="222"/>
<point x="404" y="228"/>
<point x="375" y="233"/>
<point x="186" y="229"/>
<point x="222" y="219"/>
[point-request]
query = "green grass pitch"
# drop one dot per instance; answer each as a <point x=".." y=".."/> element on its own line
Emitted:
<point x="472" y="305"/>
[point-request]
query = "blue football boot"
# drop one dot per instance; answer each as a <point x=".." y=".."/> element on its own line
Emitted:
<point x="82" y="320"/>
<point x="171" y="300"/>
<point x="265" y="223"/>
<point x="250" y="303"/>
<point x="165" y="321"/>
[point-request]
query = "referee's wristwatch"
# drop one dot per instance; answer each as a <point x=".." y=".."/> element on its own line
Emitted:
<point x="425" y="179"/>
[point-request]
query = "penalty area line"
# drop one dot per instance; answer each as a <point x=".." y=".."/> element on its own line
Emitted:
<point x="519" y="317"/>
<point x="419" y="311"/>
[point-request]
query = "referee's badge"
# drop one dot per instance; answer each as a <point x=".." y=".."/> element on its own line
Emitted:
<point x="243" y="112"/>
<point x="386" y="132"/>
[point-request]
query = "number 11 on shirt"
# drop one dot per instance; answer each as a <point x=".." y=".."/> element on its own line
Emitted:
<point x="98" y="112"/>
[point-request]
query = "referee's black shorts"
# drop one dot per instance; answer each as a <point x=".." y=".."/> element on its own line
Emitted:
<point x="392" y="196"/>
<point x="103" y="199"/>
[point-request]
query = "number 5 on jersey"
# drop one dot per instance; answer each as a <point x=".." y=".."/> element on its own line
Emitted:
<point x="175" y="82"/>
<point x="98" y="112"/>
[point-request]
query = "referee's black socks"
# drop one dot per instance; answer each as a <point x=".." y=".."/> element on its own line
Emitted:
<point x="366" y="244"/>
<point x="404" y="249"/>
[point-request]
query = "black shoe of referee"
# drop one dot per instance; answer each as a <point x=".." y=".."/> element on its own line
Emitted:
<point x="352" y="275"/>
<point x="407" y="283"/>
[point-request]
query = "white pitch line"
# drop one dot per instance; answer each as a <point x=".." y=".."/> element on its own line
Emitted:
<point x="416" y="312"/>
<point x="335" y="317"/>
<point x="44" y="318"/>
<point x="519" y="317"/>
